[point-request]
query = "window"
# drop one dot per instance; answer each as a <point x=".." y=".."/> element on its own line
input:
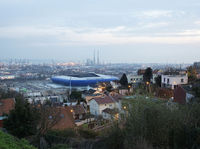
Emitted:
<point x="105" y="104"/>
<point x="168" y="81"/>
<point x="164" y="79"/>
<point x="110" y="105"/>
<point x="182" y="80"/>
<point x="131" y="79"/>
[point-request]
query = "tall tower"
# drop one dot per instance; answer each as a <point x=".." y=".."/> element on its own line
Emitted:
<point x="98" y="57"/>
<point x="94" y="59"/>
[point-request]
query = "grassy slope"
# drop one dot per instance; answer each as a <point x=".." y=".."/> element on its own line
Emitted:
<point x="10" y="142"/>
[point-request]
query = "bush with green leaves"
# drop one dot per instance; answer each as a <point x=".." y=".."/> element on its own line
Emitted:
<point x="67" y="133"/>
<point x="155" y="124"/>
<point x="87" y="133"/>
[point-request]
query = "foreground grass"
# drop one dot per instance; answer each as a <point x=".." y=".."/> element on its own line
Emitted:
<point x="9" y="142"/>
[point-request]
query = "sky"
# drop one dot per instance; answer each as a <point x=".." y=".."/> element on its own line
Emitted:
<point x="124" y="31"/>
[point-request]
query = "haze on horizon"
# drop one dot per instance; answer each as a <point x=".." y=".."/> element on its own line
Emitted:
<point x="146" y="31"/>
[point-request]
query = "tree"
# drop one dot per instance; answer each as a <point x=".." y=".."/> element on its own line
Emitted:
<point x="76" y="95"/>
<point x="124" y="81"/>
<point x="191" y="74"/>
<point x="22" y="121"/>
<point x="148" y="75"/>
<point x="108" y="87"/>
<point x="158" y="81"/>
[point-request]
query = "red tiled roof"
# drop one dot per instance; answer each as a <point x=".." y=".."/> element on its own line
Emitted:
<point x="78" y="109"/>
<point x="106" y="99"/>
<point x="6" y="105"/>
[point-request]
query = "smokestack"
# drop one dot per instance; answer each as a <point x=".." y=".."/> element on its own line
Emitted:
<point x="94" y="59"/>
<point x="98" y="57"/>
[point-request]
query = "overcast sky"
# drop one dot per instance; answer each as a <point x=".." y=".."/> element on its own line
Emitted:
<point x="163" y="31"/>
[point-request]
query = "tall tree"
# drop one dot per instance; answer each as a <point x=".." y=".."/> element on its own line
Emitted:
<point x="191" y="74"/>
<point x="148" y="75"/>
<point x="158" y="81"/>
<point x="22" y="121"/>
<point x="124" y="81"/>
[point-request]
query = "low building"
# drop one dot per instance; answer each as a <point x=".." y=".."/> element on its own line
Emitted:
<point x="97" y="105"/>
<point x="66" y="119"/>
<point x="133" y="79"/>
<point x="172" y="81"/>
<point x="79" y="112"/>
<point x="110" y="114"/>
<point x="6" y="105"/>
<point x="123" y="91"/>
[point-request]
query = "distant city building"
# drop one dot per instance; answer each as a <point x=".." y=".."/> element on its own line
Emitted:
<point x="141" y="71"/>
<point x="172" y="81"/>
<point x="197" y="64"/>
<point x="7" y="77"/>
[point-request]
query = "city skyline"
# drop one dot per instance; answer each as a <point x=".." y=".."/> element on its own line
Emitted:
<point x="124" y="31"/>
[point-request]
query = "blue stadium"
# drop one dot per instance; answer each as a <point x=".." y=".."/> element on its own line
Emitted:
<point x="89" y="79"/>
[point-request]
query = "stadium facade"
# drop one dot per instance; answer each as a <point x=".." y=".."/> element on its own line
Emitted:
<point x="90" y="79"/>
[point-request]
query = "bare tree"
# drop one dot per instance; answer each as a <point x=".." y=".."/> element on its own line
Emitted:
<point x="49" y="117"/>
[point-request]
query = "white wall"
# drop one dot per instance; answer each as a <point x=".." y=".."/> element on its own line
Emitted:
<point x="173" y="80"/>
<point x="96" y="109"/>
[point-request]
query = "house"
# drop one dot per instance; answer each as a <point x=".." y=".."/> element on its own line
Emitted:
<point x="123" y="91"/>
<point x="97" y="105"/>
<point x="182" y="96"/>
<point x="172" y="81"/>
<point x="134" y="79"/>
<point x="66" y="119"/>
<point x="6" y="105"/>
<point x="79" y="112"/>
<point x="110" y="114"/>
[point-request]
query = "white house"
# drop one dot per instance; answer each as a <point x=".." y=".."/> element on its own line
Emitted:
<point x="110" y="114"/>
<point x="172" y="81"/>
<point x="134" y="78"/>
<point x="97" y="105"/>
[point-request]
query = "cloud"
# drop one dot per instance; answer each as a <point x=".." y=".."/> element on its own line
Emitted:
<point x="156" y="13"/>
<point x="95" y="36"/>
<point x="154" y="25"/>
<point x="197" y="22"/>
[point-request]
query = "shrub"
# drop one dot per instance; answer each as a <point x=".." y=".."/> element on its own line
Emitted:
<point x="67" y="133"/>
<point x="87" y="134"/>
<point x="61" y="146"/>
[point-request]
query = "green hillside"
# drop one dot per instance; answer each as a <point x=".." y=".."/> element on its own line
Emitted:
<point x="10" y="142"/>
